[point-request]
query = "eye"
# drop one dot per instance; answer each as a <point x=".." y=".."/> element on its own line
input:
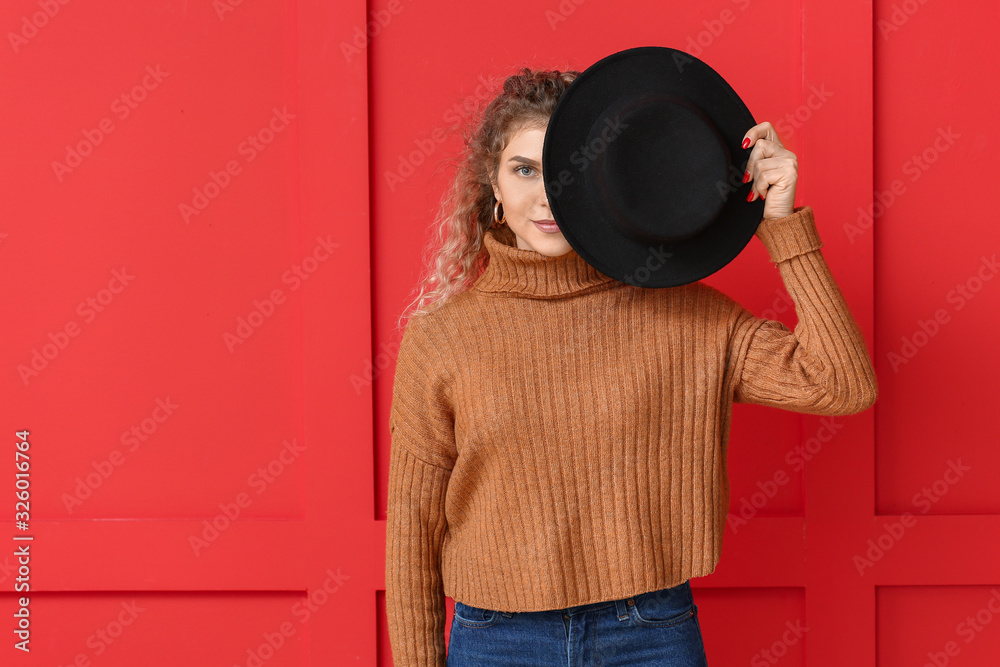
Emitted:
<point x="518" y="169"/>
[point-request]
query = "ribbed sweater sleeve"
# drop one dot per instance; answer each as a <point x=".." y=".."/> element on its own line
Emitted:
<point x="422" y="455"/>
<point x="823" y="366"/>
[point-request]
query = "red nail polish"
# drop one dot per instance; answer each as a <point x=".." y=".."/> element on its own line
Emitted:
<point x="750" y="196"/>
<point x="746" y="176"/>
<point x="746" y="142"/>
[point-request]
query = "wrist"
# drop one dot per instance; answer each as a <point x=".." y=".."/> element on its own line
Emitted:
<point x="790" y="235"/>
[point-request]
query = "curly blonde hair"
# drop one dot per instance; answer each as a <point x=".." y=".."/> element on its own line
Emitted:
<point x="466" y="210"/>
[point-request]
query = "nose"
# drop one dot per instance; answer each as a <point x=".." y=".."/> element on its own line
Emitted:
<point x="543" y="197"/>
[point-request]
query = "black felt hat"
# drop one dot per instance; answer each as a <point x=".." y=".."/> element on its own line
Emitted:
<point x="643" y="168"/>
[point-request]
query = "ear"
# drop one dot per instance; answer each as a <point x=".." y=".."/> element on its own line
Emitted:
<point x="496" y="189"/>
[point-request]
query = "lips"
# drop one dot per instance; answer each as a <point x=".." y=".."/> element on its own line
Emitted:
<point x="547" y="226"/>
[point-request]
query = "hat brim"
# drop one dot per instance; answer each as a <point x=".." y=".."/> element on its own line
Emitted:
<point x="574" y="185"/>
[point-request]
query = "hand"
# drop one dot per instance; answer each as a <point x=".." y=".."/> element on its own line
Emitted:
<point x="773" y="169"/>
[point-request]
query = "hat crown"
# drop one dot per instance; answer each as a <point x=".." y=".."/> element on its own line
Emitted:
<point x="665" y="180"/>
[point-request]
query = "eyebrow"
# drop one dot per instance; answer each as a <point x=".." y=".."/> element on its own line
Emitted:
<point x="518" y="158"/>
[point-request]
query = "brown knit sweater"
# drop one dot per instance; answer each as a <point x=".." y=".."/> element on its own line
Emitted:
<point x="559" y="437"/>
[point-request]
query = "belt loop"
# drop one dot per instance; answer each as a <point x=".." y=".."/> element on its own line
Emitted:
<point x="621" y="609"/>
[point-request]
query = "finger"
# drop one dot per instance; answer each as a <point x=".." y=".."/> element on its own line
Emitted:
<point x="772" y="134"/>
<point x="774" y="162"/>
<point x="762" y="149"/>
<point x="768" y="173"/>
<point x="752" y="135"/>
<point x="785" y="162"/>
<point x="760" y="131"/>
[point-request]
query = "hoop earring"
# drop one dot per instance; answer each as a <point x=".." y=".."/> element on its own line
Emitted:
<point x="497" y="221"/>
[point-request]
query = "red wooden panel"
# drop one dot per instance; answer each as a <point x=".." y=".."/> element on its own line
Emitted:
<point x="153" y="628"/>
<point x="934" y="541"/>
<point x="961" y="630"/>
<point x="938" y="281"/>
<point x="913" y="549"/>
<point x="773" y="632"/>
<point x="839" y="489"/>
<point x="186" y="200"/>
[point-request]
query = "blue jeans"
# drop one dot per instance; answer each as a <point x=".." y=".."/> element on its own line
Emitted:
<point x="655" y="628"/>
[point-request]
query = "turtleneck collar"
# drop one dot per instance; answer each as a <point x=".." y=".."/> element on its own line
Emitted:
<point x="527" y="273"/>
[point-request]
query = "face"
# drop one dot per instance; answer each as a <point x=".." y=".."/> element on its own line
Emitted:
<point x="520" y="189"/>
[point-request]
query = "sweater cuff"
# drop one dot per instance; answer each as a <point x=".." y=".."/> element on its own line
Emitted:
<point x="792" y="235"/>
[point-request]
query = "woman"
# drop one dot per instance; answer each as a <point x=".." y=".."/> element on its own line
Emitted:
<point x="558" y="460"/>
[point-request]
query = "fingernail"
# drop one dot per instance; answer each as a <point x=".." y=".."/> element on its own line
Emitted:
<point x="746" y="176"/>
<point x="750" y="196"/>
<point x="746" y="142"/>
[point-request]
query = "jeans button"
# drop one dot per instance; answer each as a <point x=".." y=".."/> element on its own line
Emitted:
<point x="566" y="616"/>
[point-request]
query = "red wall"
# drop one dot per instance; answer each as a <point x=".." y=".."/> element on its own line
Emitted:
<point x="214" y="213"/>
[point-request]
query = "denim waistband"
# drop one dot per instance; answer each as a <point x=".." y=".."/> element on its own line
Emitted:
<point x="620" y="604"/>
